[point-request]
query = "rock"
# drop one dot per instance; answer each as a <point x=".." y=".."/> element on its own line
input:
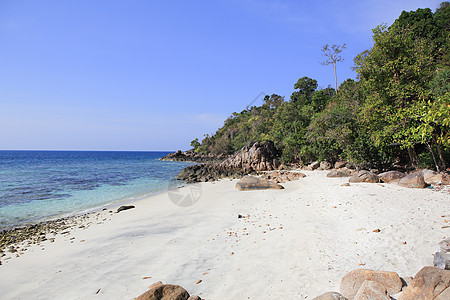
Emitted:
<point x="338" y="173"/>
<point x="325" y="165"/>
<point x="390" y="176"/>
<point x="431" y="177"/>
<point x="372" y="290"/>
<point x="442" y="255"/>
<point x="330" y="296"/>
<point x="251" y="183"/>
<point x="191" y="155"/>
<point x="194" y="297"/>
<point x="364" y="176"/>
<point x="429" y="283"/>
<point x="352" y="281"/>
<point x="314" y="165"/>
<point x="160" y="291"/>
<point x="254" y="157"/>
<point x="125" y="207"/>
<point x="340" y="164"/>
<point x="413" y="180"/>
<point x="208" y="172"/>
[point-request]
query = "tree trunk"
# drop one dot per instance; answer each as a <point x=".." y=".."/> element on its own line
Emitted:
<point x="412" y="156"/>
<point x="335" y="77"/>
<point x="441" y="155"/>
<point x="434" y="158"/>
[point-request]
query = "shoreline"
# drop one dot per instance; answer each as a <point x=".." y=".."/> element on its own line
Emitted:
<point x="296" y="242"/>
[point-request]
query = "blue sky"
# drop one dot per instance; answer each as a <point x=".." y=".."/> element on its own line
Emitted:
<point x="153" y="75"/>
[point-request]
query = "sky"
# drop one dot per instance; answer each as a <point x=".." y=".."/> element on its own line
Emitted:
<point x="144" y="75"/>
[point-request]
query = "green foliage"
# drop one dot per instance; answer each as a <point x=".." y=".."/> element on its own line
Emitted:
<point x="399" y="107"/>
<point x="195" y="143"/>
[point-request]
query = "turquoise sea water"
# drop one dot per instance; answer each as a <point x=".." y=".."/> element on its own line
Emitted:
<point x="35" y="185"/>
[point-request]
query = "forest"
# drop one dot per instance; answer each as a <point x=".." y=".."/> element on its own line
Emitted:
<point x="396" y="112"/>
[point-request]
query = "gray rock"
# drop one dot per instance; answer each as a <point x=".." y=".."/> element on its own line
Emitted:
<point x="314" y="165"/>
<point x="431" y="177"/>
<point x="251" y="183"/>
<point x="391" y="176"/>
<point x="442" y="255"/>
<point x="325" y="165"/>
<point x="364" y="176"/>
<point x="338" y="173"/>
<point x="330" y="296"/>
<point x="125" y="207"/>
<point x="340" y="164"/>
<point x="413" y="180"/>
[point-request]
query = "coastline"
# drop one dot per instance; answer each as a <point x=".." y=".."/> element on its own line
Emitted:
<point x="296" y="242"/>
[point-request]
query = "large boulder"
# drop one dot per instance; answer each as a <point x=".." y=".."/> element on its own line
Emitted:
<point x="338" y="173"/>
<point x="391" y="176"/>
<point x="314" y="165"/>
<point x="325" y="165"/>
<point x="364" y="176"/>
<point x="431" y="177"/>
<point x="254" y="157"/>
<point x="413" y="180"/>
<point x="372" y="290"/>
<point x="251" y="183"/>
<point x="442" y="255"/>
<point x="340" y="164"/>
<point x="330" y="296"/>
<point x="430" y="283"/>
<point x="160" y="291"/>
<point x="352" y="281"/>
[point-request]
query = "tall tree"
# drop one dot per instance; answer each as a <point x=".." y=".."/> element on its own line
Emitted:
<point x="332" y="53"/>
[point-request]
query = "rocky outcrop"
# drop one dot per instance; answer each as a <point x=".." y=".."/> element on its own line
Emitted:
<point x="351" y="283"/>
<point x="208" y="173"/>
<point x="254" y="157"/>
<point x="160" y="291"/>
<point x="251" y="183"/>
<point x="191" y="155"/>
<point x="391" y="176"/>
<point x="442" y="255"/>
<point x="413" y="180"/>
<point x="430" y="283"/>
<point x="338" y="173"/>
<point x="364" y="176"/>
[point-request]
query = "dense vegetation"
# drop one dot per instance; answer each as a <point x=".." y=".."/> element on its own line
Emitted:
<point x="398" y="110"/>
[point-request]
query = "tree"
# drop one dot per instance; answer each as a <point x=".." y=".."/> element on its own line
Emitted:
<point x="333" y="57"/>
<point x="195" y="143"/>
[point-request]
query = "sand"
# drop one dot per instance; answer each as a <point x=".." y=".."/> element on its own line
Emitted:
<point x="293" y="243"/>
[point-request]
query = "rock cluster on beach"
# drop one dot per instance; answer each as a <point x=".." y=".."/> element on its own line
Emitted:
<point x="364" y="284"/>
<point x="416" y="179"/>
<point x="255" y="157"/>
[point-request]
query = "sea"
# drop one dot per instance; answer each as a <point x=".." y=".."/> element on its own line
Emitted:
<point x="40" y="185"/>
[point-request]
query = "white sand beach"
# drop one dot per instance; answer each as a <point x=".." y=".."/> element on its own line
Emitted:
<point x="295" y="243"/>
